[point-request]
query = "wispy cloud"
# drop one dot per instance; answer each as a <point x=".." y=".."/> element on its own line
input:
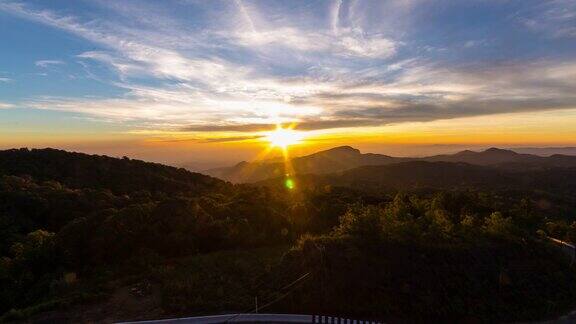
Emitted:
<point x="47" y="63"/>
<point x="556" y="18"/>
<point x="4" y="105"/>
<point x="221" y="139"/>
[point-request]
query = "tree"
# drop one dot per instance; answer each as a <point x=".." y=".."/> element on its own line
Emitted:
<point x="498" y="224"/>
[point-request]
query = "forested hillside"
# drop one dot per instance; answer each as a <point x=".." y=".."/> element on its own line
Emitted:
<point x="77" y="170"/>
<point x="72" y="213"/>
<point x="407" y="241"/>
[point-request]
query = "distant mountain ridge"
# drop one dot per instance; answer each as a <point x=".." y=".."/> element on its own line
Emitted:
<point x="546" y="151"/>
<point x="346" y="157"/>
<point x="425" y="175"/>
<point x="323" y="162"/>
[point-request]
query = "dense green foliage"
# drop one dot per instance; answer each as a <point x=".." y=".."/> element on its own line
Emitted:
<point x="120" y="176"/>
<point x="51" y="225"/>
<point x="71" y="223"/>
<point x="446" y="257"/>
<point x="220" y="281"/>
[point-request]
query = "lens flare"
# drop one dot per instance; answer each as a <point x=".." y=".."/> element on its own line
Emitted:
<point x="289" y="183"/>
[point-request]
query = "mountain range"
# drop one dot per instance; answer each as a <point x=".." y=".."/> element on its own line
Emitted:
<point x="344" y="158"/>
<point x="433" y="176"/>
<point x="546" y="151"/>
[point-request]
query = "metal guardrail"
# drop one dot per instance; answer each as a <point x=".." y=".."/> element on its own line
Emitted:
<point x="562" y="242"/>
<point x="255" y="318"/>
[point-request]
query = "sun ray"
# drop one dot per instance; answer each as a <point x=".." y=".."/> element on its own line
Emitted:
<point x="282" y="138"/>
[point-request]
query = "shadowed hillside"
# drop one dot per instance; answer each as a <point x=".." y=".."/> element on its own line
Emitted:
<point x="439" y="175"/>
<point x="332" y="160"/>
<point x="345" y="158"/>
<point x="79" y="170"/>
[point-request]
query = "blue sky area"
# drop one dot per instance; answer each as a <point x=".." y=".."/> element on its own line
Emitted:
<point x="203" y="66"/>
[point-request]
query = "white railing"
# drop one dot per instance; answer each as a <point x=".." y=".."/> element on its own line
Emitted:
<point x="252" y="318"/>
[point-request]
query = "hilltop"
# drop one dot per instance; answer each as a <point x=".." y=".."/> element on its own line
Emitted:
<point x="78" y="170"/>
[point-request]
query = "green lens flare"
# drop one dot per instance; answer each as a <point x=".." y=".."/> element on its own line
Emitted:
<point x="289" y="183"/>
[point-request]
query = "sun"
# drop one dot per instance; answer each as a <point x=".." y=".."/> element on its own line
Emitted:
<point x="283" y="137"/>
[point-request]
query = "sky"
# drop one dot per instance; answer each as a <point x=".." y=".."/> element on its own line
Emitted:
<point x="200" y="81"/>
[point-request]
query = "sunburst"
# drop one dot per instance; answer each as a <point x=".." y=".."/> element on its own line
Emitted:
<point x="283" y="137"/>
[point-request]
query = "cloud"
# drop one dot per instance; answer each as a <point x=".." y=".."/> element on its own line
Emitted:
<point x="231" y="139"/>
<point x="225" y="139"/>
<point x="3" y="79"/>
<point x="374" y="47"/>
<point x="4" y="105"/>
<point x="556" y="18"/>
<point x="418" y="95"/>
<point x="338" y="41"/>
<point x="229" y="128"/>
<point x="47" y="63"/>
<point x="160" y="62"/>
<point x="347" y="43"/>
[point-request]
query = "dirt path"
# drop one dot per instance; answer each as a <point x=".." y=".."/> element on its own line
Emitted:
<point x="137" y="302"/>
